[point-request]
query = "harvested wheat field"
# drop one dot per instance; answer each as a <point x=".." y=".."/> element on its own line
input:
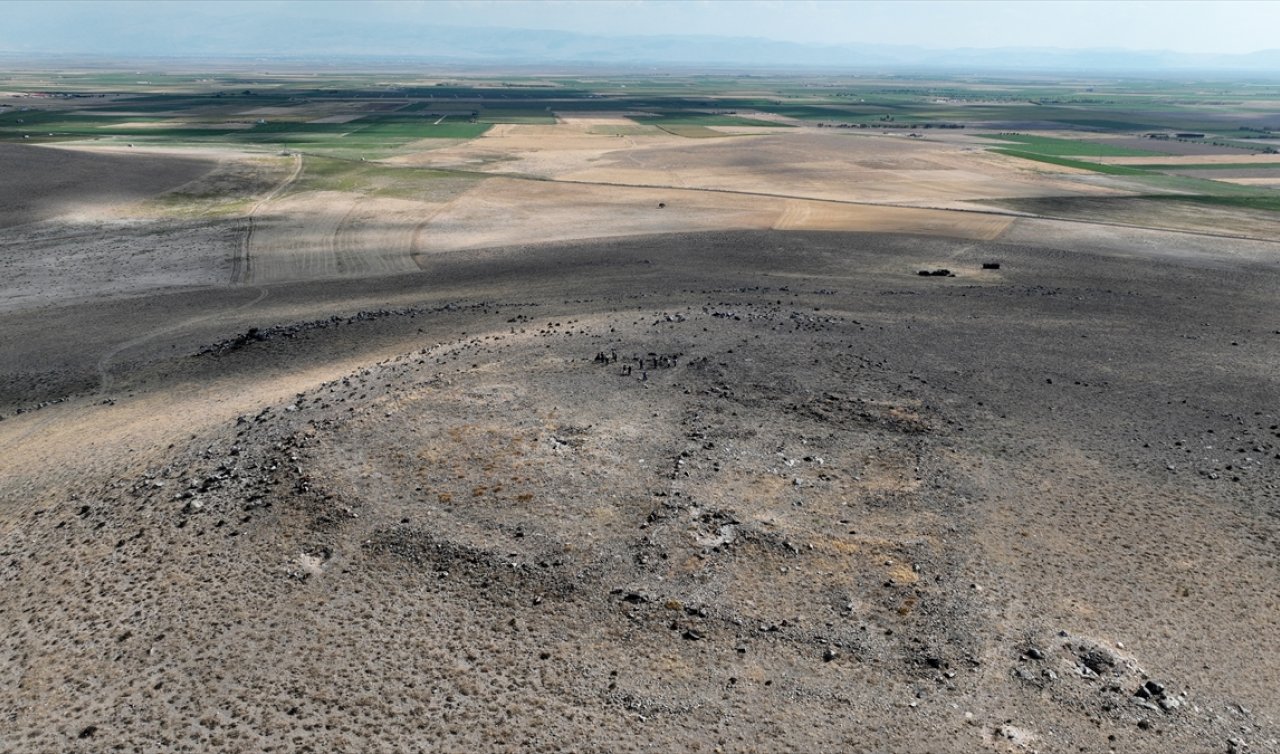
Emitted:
<point x="590" y="437"/>
<point x="329" y="234"/>
<point x="803" y="164"/>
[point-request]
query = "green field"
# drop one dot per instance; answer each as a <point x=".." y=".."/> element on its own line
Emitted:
<point x="1214" y="166"/>
<point x="1222" y="111"/>
<point x="1255" y="202"/>
<point x="375" y="179"/>
<point x="624" y="130"/>
<point x="527" y="117"/>
<point x="1046" y="145"/>
<point x="1171" y="187"/>
<point x="391" y="111"/>
<point x="678" y="119"/>
<point x="1096" y="167"/>
<point x="374" y="134"/>
<point x="692" y="131"/>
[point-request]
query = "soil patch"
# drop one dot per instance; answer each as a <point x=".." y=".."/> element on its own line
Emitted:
<point x="45" y="182"/>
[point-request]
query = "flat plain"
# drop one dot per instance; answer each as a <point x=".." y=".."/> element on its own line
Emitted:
<point x="473" y="413"/>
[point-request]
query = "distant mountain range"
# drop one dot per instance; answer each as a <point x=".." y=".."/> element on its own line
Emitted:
<point x="309" y="37"/>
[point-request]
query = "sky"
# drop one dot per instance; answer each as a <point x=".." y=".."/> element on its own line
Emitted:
<point x="1215" y="26"/>
<point x="1189" y="26"/>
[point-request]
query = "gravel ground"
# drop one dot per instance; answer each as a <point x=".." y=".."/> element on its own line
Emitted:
<point x="725" y="492"/>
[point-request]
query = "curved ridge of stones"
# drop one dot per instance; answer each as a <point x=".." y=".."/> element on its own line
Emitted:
<point x="683" y="524"/>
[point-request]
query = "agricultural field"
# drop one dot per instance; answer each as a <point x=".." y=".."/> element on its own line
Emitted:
<point x="435" y="410"/>
<point x="1079" y="125"/>
<point x="1047" y="145"/>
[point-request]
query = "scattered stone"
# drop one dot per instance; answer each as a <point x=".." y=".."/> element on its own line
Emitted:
<point x="1155" y="696"/>
<point x="1097" y="660"/>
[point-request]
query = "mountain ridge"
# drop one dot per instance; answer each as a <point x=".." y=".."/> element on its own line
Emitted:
<point x="309" y="37"/>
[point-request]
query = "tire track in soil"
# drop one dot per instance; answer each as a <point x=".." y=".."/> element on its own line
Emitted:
<point x="239" y="274"/>
<point x="104" y="373"/>
<point x="415" y="241"/>
<point x="102" y="367"/>
<point x="241" y="269"/>
<point x="384" y="249"/>
<point x="341" y="249"/>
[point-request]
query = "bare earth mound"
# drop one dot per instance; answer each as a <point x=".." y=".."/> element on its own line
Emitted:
<point x="753" y="491"/>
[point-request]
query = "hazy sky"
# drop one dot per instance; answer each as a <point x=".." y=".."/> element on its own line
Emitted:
<point x="1219" y="26"/>
<point x="1185" y="26"/>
